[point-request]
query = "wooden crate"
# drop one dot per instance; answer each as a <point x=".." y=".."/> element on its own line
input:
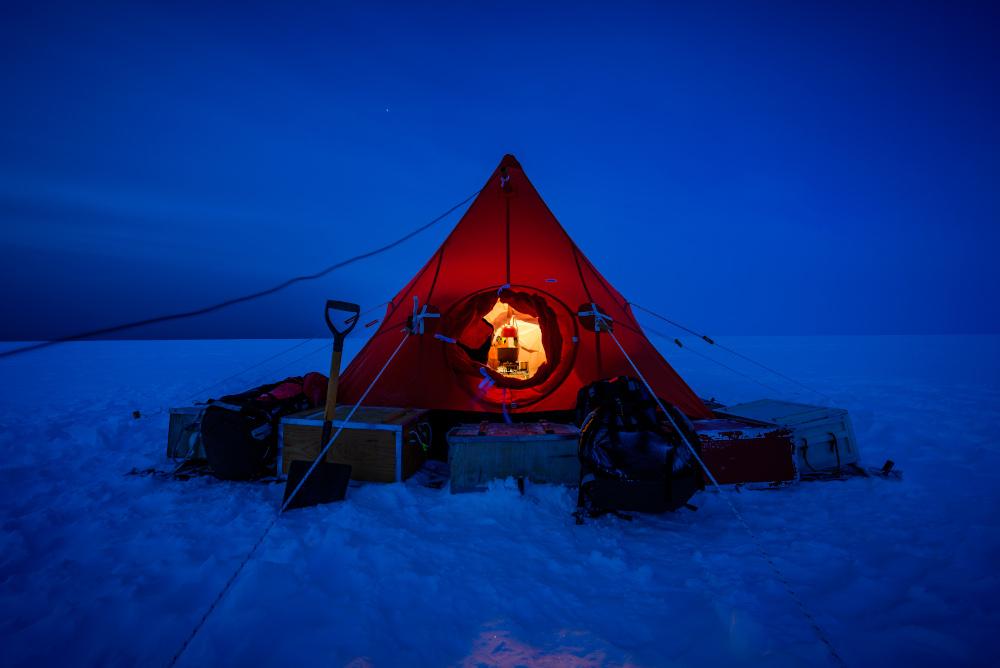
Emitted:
<point x="377" y="442"/>
<point x="539" y="451"/>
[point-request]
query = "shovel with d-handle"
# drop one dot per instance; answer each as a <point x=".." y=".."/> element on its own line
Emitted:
<point x="328" y="482"/>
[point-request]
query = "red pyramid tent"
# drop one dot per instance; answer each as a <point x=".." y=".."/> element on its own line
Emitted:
<point x="510" y="268"/>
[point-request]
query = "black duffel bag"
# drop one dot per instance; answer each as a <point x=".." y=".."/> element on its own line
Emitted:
<point x="631" y="457"/>
<point x="240" y="431"/>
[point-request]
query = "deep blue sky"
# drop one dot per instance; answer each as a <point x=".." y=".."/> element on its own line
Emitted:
<point x="746" y="170"/>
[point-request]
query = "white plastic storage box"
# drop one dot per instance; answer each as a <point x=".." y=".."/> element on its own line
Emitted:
<point x="823" y="437"/>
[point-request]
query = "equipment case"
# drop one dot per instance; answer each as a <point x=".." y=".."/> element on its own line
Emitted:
<point x="823" y="437"/>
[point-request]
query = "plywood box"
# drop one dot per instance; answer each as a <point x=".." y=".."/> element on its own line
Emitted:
<point x="539" y="451"/>
<point x="380" y="444"/>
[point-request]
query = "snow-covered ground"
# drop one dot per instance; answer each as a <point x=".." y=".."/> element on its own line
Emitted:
<point x="100" y="568"/>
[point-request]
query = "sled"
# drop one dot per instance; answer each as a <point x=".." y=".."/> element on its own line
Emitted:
<point x="823" y="437"/>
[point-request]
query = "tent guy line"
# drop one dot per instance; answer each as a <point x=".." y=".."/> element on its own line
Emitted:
<point x="237" y="300"/>
<point x="274" y="520"/>
<point x="707" y="339"/>
<point x="677" y="342"/>
<point x="281" y="367"/>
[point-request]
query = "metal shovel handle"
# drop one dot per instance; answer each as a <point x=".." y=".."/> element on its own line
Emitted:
<point x="338" y="334"/>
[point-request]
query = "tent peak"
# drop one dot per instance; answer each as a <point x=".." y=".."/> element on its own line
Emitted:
<point x="509" y="161"/>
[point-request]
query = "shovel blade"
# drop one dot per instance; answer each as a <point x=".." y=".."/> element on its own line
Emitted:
<point x="328" y="483"/>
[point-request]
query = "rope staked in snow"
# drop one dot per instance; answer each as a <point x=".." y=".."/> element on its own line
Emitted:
<point x="820" y="633"/>
<point x="225" y="590"/>
<point x="236" y="300"/>
<point x="707" y="339"/>
<point x="253" y="550"/>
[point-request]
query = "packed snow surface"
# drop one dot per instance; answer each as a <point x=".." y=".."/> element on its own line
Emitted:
<point x="102" y="568"/>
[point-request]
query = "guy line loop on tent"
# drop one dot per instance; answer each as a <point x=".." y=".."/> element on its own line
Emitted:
<point x="487" y="382"/>
<point x="602" y="321"/>
<point x="814" y="624"/>
<point x="417" y="319"/>
<point x="232" y="579"/>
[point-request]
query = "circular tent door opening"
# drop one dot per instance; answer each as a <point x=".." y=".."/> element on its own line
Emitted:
<point x="510" y="349"/>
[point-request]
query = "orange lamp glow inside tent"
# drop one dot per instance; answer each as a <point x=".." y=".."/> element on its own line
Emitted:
<point x="517" y="350"/>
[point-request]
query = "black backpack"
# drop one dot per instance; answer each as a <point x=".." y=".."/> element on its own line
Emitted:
<point x="631" y="456"/>
<point x="240" y="431"/>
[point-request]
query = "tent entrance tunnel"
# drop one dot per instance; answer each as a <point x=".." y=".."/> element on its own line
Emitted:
<point x="512" y="348"/>
<point x="510" y="331"/>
